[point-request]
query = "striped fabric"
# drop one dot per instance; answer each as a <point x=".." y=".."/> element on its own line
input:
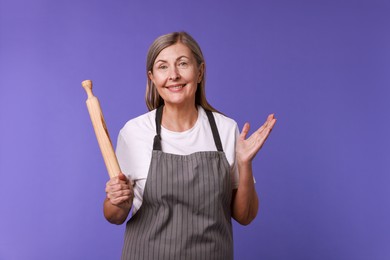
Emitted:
<point x="185" y="212"/>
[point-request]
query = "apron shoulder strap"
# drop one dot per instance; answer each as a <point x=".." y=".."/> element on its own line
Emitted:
<point x="157" y="138"/>
<point x="214" y="129"/>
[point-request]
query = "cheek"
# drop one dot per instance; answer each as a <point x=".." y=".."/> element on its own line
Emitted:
<point x="192" y="75"/>
<point x="158" y="80"/>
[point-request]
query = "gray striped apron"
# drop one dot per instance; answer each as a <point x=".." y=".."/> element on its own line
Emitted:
<point x="185" y="213"/>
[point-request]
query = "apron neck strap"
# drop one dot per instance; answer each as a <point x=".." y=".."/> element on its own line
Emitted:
<point x="157" y="138"/>
<point x="214" y="129"/>
<point x="213" y="125"/>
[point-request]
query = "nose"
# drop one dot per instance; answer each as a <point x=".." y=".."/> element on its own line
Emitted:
<point x="174" y="74"/>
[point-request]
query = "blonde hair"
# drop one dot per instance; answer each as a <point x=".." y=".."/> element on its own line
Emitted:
<point x="152" y="98"/>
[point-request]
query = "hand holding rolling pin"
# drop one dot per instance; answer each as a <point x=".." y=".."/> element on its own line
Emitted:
<point x="119" y="189"/>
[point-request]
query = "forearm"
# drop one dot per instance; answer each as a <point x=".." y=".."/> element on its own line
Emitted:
<point x="116" y="214"/>
<point x="245" y="201"/>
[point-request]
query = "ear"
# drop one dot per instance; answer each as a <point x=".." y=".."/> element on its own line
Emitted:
<point x="150" y="75"/>
<point x="201" y="72"/>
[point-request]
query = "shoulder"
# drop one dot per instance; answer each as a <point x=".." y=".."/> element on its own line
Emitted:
<point x="224" y="124"/>
<point x="141" y="125"/>
<point x="220" y="119"/>
<point x="227" y="127"/>
<point x="224" y="121"/>
<point x="134" y="145"/>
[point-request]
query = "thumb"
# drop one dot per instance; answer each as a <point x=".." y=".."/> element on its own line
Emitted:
<point x="245" y="130"/>
<point x="122" y="177"/>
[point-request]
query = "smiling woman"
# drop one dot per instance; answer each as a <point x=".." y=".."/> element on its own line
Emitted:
<point x="186" y="168"/>
<point x="153" y="100"/>
<point x="175" y="75"/>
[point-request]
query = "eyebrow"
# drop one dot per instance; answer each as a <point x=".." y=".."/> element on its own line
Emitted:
<point x="182" y="56"/>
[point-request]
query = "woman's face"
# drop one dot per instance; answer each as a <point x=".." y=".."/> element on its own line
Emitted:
<point x="176" y="75"/>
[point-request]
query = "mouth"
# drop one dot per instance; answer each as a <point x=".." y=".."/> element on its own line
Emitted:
<point x="176" y="87"/>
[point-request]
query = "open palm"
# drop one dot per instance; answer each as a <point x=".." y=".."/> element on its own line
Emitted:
<point x="247" y="149"/>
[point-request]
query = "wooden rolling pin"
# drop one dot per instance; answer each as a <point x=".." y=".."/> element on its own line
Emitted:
<point x="102" y="135"/>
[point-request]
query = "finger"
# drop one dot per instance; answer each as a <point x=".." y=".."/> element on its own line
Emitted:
<point x="263" y="136"/>
<point x="120" y="193"/>
<point x="113" y="181"/>
<point x="261" y="128"/>
<point x="120" y="187"/>
<point x="270" y="117"/>
<point x="120" y="196"/>
<point x="272" y="123"/>
<point x="245" y="130"/>
<point x="120" y="200"/>
<point x="269" y="123"/>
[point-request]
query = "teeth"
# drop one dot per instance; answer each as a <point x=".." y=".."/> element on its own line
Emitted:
<point x="177" y="87"/>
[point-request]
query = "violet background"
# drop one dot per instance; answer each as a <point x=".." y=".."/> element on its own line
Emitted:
<point x="321" y="66"/>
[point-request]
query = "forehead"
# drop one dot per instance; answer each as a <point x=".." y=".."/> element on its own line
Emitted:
<point x="175" y="51"/>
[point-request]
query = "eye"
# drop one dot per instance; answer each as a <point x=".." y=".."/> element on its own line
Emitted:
<point x="183" y="64"/>
<point x="162" y="67"/>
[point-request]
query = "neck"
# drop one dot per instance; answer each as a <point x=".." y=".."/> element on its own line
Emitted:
<point x="179" y="119"/>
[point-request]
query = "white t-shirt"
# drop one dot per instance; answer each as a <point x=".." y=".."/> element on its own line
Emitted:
<point x="135" y="145"/>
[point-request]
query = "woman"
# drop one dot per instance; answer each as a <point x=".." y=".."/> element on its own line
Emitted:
<point x="186" y="168"/>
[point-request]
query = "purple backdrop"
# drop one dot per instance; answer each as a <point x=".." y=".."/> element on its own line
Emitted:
<point x="321" y="66"/>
